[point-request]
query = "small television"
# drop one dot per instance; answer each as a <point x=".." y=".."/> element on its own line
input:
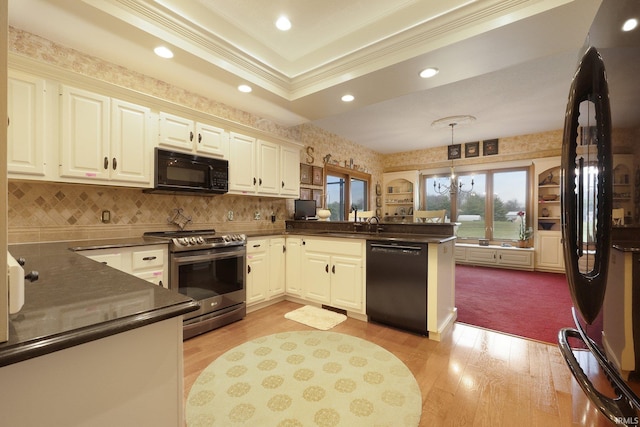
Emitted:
<point x="304" y="209"/>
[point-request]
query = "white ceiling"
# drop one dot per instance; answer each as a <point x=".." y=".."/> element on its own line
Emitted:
<point x="509" y="63"/>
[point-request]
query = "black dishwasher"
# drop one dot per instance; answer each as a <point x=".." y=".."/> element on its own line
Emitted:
<point x="397" y="284"/>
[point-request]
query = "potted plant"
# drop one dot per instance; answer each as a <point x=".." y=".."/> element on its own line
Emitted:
<point x="524" y="233"/>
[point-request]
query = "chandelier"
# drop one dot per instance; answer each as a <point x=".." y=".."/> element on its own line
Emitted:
<point x="454" y="186"/>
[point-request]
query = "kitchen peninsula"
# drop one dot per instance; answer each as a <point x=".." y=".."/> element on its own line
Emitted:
<point x="436" y="303"/>
<point x="92" y="345"/>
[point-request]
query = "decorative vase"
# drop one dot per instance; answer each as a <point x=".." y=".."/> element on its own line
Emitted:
<point x="323" y="214"/>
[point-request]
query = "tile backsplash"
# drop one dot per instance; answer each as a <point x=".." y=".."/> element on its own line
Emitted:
<point x="46" y="211"/>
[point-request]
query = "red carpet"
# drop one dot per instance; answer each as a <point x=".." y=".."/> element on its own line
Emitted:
<point x="533" y="305"/>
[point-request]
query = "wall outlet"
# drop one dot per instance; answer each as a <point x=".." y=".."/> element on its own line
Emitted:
<point x="256" y="215"/>
<point x="230" y="215"/>
<point x="106" y="216"/>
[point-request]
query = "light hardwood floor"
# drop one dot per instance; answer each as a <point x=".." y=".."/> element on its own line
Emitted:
<point x="473" y="377"/>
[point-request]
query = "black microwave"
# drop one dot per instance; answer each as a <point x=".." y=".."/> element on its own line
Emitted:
<point x="187" y="173"/>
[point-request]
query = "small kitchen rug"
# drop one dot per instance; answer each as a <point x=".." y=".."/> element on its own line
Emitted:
<point x="316" y="317"/>
<point x="305" y="378"/>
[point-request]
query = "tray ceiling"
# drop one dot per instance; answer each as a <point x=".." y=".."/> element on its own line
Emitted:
<point x="509" y="63"/>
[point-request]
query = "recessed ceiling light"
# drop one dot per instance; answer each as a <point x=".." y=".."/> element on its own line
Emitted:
<point x="630" y="24"/>
<point x="429" y="72"/>
<point x="348" y="98"/>
<point x="283" y="23"/>
<point x="245" y="88"/>
<point x="163" y="52"/>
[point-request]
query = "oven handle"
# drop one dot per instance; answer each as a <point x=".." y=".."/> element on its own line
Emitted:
<point x="182" y="259"/>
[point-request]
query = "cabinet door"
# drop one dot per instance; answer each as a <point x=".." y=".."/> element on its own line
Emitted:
<point x="242" y="161"/>
<point x="485" y="256"/>
<point x="514" y="258"/>
<point x="113" y="260"/>
<point x="293" y="266"/>
<point x="85" y="134"/>
<point x="155" y="277"/>
<point x="346" y="282"/>
<point x="257" y="277"/>
<point x="212" y="140"/>
<point x="289" y="171"/>
<point x="276" y="267"/>
<point x="268" y="167"/>
<point x="549" y="251"/>
<point x="25" y="134"/>
<point x="176" y="131"/>
<point x="317" y="277"/>
<point x="130" y="147"/>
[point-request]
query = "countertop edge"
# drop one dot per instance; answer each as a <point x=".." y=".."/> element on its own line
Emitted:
<point x="42" y="346"/>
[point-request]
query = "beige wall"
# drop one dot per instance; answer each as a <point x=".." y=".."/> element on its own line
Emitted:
<point x="52" y="211"/>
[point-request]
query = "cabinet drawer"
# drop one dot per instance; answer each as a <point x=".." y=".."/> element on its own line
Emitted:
<point x="258" y="245"/>
<point x="335" y="246"/>
<point x="143" y="260"/>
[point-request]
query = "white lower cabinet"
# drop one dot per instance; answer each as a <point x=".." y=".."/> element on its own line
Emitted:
<point x="549" y="254"/>
<point x="146" y="262"/>
<point x="334" y="272"/>
<point x="516" y="258"/>
<point x="277" y="271"/>
<point x="293" y="266"/>
<point x="265" y="273"/>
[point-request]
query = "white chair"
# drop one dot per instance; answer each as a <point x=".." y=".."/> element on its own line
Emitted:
<point x="430" y="216"/>
<point x="617" y="216"/>
<point x="362" y="215"/>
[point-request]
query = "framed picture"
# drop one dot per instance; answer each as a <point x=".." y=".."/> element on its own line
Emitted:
<point x="472" y="149"/>
<point x="305" y="173"/>
<point x="454" y="151"/>
<point x="305" y="194"/>
<point x="317" y="196"/>
<point x="489" y="147"/>
<point x="317" y="175"/>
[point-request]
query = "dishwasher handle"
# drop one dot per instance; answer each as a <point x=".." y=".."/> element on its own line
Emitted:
<point x="407" y="249"/>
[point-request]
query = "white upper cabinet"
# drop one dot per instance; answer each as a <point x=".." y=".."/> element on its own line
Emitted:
<point x="26" y="130"/>
<point x="242" y="163"/>
<point x="191" y="136"/>
<point x="290" y="171"/>
<point x="263" y="167"/>
<point x="130" y="147"/>
<point x="84" y="131"/>
<point x="103" y="139"/>
<point x="268" y="168"/>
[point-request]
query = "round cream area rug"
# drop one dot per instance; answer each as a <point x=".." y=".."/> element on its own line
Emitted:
<point x="305" y="378"/>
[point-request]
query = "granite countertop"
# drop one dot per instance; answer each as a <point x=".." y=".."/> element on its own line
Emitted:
<point x="77" y="300"/>
<point x="390" y="237"/>
<point x="627" y="246"/>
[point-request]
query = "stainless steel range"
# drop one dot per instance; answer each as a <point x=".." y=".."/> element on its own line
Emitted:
<point x="209" y="268"/>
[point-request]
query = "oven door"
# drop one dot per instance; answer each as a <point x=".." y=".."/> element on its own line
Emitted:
<point x="213" y="277"/>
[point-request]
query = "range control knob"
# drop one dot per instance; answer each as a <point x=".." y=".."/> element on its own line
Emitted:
<point x="193" y="241"/>
<point x="200" y="240"/>
<point x="226" y="238"/>
<point x="183" y="241"/>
